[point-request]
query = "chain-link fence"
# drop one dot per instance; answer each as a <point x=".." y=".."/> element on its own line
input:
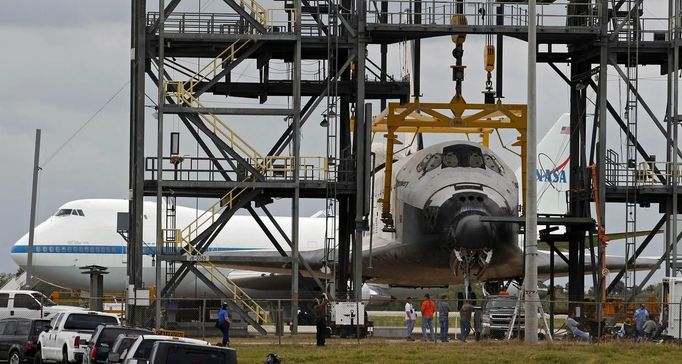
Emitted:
<point x="436" y="319"/>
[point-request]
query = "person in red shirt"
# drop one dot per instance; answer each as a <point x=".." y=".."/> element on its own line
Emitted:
<point x="428" y="307"/>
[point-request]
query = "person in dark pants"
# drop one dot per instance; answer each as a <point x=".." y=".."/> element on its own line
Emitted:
<point x="320" y="310"/>
<point x="224" y="323"/>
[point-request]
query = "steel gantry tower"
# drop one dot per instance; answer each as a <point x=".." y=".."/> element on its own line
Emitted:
<point x="591" y="36"/>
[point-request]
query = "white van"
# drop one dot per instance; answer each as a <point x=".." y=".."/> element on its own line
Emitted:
<point x="29" y="304"/>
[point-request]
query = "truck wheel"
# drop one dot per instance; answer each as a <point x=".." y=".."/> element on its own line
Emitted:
<point x="15" y="358"/>
<point x="65" y="356"/>
<point x="38" y="359"/>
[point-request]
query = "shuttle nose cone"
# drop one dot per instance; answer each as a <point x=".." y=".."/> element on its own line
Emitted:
<point x="472" y="233"/>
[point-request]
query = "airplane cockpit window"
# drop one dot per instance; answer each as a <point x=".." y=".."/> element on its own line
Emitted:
<point x="463" y="155"/>
<point x="67" y="212"/>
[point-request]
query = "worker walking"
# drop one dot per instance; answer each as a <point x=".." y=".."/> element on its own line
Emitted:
<point x="465" y="320"/>
<point x="443" y="312"/>
<point x="223" y="323"/>
<point x="641" y="315"/>
<point x="410" y="318"/>
<point x="320" y="310"/>
<point x="428" y="307"/>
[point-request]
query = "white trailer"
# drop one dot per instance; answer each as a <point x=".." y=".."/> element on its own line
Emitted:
<point x="674" y="301"/>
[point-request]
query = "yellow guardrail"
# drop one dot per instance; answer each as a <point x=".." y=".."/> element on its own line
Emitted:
<point x="214" y="66"/>
<point x="646" y="172"/>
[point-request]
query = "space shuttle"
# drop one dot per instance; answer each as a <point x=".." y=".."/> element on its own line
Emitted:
<point x="441" y="197"/>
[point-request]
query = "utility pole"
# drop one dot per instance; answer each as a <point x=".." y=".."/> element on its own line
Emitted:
<point x="530" y="281"/>
<point x="32" y="223"/>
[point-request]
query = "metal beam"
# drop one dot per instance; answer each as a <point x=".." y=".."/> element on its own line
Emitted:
<point x="246" y="16"/>
<point x="227" y="69"/>
<point x="166" y="13"/>
<point x="639" y="251"/>
<point x="267" y="232"/>
<point x="291" y="245"/>
<point x="233" y="304"/>
<point x="227" y="110"/>
<point x="620" y="26"/>
<point x="643" y="103"/>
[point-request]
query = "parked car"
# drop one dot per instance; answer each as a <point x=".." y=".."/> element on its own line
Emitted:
<point x="142" y="348"/>
<point x="69" y="333"/>
<point x="496" y="316"/>
<point x="19" y="339"/>
<point x="103" y="339"/>
<point x="121" y="344"/>
<point x="30" y="304"/>
<point x="168" y="351"/>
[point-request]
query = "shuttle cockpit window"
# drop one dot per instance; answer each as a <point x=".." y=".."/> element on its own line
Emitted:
<point x="463" y="155"/>
<point x="492" y="163"/>
<point x="429" y="163"/>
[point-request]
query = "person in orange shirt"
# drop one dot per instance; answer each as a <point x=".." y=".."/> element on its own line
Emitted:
<point x="428" y="307"/>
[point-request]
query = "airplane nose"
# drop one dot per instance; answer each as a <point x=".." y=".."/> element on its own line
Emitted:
<point x="472" y="233"/>
<point x="19" y="252"/>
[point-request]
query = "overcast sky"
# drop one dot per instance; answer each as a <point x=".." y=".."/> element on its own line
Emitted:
<point x="63" y="60"/>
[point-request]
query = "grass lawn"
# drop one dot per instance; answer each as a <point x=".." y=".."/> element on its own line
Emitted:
<point x="302" y="349"/>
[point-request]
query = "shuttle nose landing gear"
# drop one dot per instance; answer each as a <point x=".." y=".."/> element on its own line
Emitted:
<point x="464" y="260"/>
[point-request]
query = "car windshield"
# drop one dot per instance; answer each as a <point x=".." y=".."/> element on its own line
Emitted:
<point x="87" y="321"/>
<point x="501" y="303"/>
<point x="44" y="300"/>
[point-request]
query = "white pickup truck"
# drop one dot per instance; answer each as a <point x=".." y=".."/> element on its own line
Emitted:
<point x="68" y="335"/>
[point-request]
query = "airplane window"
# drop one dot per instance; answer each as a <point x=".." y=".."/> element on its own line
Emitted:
<point x="80" y="212"/>
<point x="63" y="212"/>
<point x="74" y="212"/>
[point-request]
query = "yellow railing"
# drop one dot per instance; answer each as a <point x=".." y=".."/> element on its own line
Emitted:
<point x="214" y="66"/>
<point x="646" y="172"/>
<point x="282" y="167"/>
<point x="272" y="19"/>
<point x="256" y="10"/>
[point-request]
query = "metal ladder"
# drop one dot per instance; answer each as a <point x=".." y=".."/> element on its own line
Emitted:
<point x="631" y="34"/>
<point x="331" y="177"/>
<point x="515" y="315"/>
<point x="169" y="236"/>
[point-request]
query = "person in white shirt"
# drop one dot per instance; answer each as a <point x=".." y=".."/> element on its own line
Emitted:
<point x="410" y="318"/>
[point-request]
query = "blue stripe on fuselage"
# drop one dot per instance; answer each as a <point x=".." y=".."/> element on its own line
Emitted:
<point x="99" y="249"/>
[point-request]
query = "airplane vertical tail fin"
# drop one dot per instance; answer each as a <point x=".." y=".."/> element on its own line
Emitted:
<point x="553" y="168"/>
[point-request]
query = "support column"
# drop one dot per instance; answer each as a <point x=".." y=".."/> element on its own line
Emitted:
<point x="295" y="203"/>
<point x="161" y="100"/>
<point x="359" y="148"/>
<point x="136" y="163"/>
<point x="576" y="270"/>
<point x="601" y="153"/>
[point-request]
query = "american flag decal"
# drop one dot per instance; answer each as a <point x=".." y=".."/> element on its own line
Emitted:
<point x="565" y="130"/>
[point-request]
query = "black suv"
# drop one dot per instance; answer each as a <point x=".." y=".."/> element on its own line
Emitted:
<point x="177" y="352"/>
<point x="103" y="339"/>
<point x="19" y="338"/>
